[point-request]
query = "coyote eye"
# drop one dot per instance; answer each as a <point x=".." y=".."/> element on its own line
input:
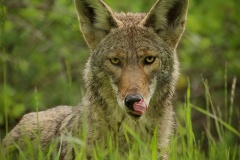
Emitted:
<point x="115" y="61"/>
<point x="149" y="60"/>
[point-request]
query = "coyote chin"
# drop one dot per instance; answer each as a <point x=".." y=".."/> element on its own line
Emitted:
<point x="130" y="79"/>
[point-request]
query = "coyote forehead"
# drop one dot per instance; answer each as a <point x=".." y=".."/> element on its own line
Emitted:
<point x="130" y="19"/>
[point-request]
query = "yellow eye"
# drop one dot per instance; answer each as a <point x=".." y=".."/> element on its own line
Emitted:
<point x="149" y="59"/>
<point x="115" y="61"/>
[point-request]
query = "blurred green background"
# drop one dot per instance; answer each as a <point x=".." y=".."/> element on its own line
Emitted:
<point x="43" y="54"/>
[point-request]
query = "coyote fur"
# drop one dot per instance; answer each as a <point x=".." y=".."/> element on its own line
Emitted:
<point x="130" y="80"/>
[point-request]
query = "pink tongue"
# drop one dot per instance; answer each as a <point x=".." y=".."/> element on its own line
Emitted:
<point x="140" y="107"/>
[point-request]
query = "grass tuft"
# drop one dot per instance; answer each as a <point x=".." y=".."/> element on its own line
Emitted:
<point x="184" y="144"/>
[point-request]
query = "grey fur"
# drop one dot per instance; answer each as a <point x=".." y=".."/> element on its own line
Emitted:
<point x="125" y="36"/>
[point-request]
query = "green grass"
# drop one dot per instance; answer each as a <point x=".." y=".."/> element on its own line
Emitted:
<point x="183" y="144"/>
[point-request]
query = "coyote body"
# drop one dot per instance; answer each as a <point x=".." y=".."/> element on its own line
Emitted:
<point x="130" y="79"/>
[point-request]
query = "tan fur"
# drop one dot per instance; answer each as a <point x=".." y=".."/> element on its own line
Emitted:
<point x="129" y="38"/>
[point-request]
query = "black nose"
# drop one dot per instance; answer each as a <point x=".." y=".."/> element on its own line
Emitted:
<point x="130" y="99"/>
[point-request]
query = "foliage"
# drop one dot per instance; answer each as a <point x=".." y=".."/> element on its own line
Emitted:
<point x="208" y="52"/>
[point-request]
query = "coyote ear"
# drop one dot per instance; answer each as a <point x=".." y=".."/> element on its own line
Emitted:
<point x="96" y="20"/>
<point x="167" y="18"/>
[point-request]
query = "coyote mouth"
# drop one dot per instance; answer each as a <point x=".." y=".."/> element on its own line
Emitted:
<point x="138" y="109"/>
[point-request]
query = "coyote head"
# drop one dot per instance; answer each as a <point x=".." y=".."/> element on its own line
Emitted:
<point x="132" y="64"/>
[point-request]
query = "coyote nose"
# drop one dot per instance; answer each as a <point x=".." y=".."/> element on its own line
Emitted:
<point x="131" y="99"/>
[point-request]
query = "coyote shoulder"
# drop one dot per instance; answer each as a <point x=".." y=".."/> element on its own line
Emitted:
<point x="130" y="79"/>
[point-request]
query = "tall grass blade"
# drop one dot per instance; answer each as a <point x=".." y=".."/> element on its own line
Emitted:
<point x="226" y="90"/>
<point x="232" y="99"/>
<point x="188" y="121"/>
<point x="69" y="76"/>
<point x="214" y="111"/>
<point x="229" y="127"/>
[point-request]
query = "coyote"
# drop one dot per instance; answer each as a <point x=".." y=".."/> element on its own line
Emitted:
<point x="130" y="80"/>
